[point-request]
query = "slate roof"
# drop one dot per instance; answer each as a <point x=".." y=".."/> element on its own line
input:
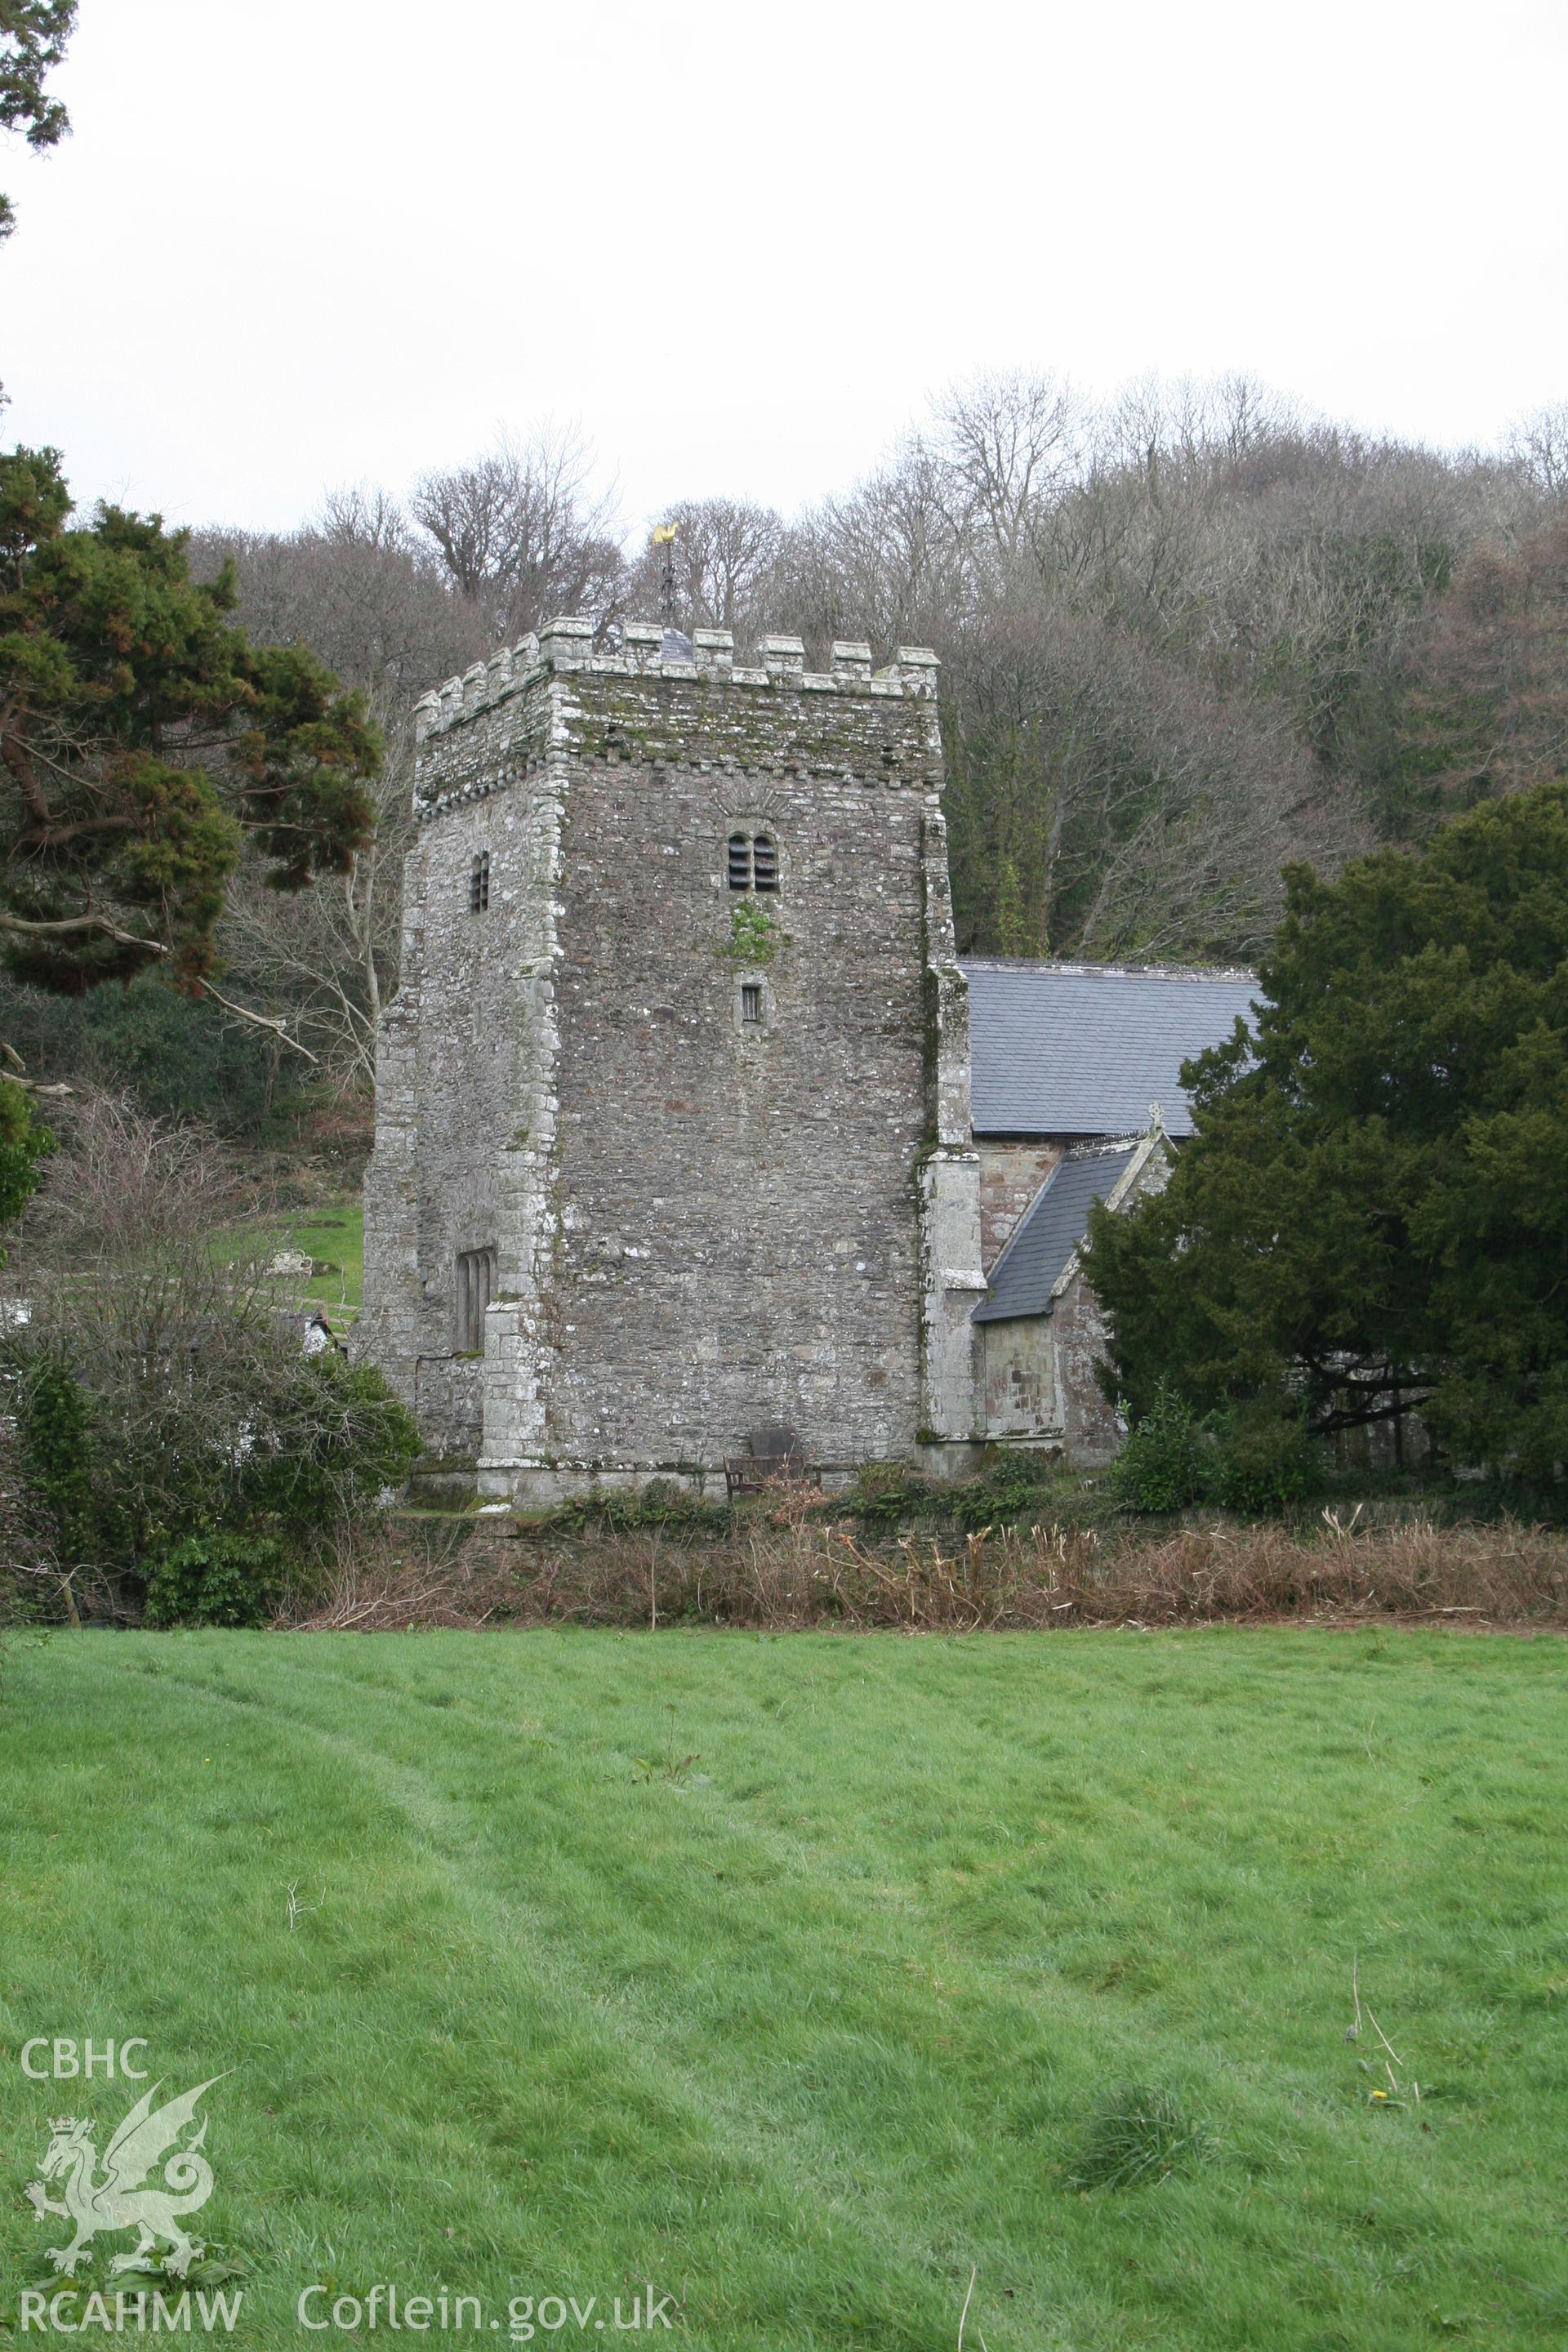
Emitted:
<point x="1084" y="1049"/>
<point x="1025" y="1274"/>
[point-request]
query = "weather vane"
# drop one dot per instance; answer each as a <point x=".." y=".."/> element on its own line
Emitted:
<point x="676" y="645"/>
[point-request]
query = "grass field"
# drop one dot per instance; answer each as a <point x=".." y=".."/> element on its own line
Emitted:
<point x="334" y="1237"/>
<point x="801" y="1976"/>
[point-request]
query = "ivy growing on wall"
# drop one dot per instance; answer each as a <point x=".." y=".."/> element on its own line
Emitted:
<point x="754" y="937"/>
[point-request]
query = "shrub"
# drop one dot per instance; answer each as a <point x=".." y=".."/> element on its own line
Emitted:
<point x="189" y="1483"/>
<point x="1161" y="1466"/>
<point x="1012" y="1489"/>
<point x="54" y="1434"/>
<point x="23" y="1143"/>
<point x="218" y="1579"/>
<point x="812" y="1572"/>
<point x="1263" y="1458"/>
<point x="179" y="1059"/>
<point x="164" y="1399"/>
<point x="885" y="1494"/>
<point x="661" y="1502"/>
<point x="333" y="1441"/>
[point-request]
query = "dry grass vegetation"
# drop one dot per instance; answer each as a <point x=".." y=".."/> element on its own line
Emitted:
<point x="787" y="1567"/>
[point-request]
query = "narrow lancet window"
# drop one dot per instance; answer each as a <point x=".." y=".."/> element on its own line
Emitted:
<point x="475" y="1288"/>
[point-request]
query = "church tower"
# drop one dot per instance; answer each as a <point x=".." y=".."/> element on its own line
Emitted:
<point x="672" y="1102"/>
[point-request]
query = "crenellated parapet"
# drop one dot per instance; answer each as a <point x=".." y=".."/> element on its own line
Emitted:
<point x="567" y="646"/>
<point x="534" y="708"/>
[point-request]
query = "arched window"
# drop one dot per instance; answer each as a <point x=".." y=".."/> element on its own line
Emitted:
<point x="753" y="862"/>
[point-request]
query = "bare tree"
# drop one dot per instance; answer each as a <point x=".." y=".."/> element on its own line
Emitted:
<point x="1104" y="803"/>
<point x="1486" y="707"/>
<point x="523" y="535"/>
<point x="1010" y="445"/>
<point x="361" y="586"/>
<point x="1540" y="443"/>
<point x="887" y="562"/>
<point x="324" y="963"/>
<point x="724" y="556"/>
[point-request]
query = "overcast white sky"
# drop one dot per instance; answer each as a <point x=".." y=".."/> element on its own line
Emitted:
<point x="294" y="244"/>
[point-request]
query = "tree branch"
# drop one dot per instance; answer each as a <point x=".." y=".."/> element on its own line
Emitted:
<point x="258" y="1020"/>
<point x="76" y="926"/>
<point x="55" y="837"/>
<point x="13" y="752"/>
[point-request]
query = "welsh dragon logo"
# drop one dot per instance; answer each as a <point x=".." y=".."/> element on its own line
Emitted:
<point x="120" y="2198"/>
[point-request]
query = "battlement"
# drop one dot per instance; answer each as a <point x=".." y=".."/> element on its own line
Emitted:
<point x="564" y="647"/>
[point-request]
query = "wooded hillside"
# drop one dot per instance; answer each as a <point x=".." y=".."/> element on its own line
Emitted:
<point x="1187" y="638"/>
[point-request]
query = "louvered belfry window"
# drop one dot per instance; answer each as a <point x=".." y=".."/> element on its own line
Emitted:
<point x="475" y="1288"/>
<point x="479" y="884"/>
<point x="754" y="861"/>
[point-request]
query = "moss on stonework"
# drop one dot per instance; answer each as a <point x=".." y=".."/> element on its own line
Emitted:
<point x="651" y="720"/>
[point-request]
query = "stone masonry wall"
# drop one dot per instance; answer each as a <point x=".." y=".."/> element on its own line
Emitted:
<point x="739" y="1242"/>
<point x="1090" y="1426"/>
<point x="1021" y="1399"/>
<point x="452" y="1064"/>
<point x="1011" y="1175"/>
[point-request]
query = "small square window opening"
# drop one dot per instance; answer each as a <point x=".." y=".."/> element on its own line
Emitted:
<point x="752" y="1003"/>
